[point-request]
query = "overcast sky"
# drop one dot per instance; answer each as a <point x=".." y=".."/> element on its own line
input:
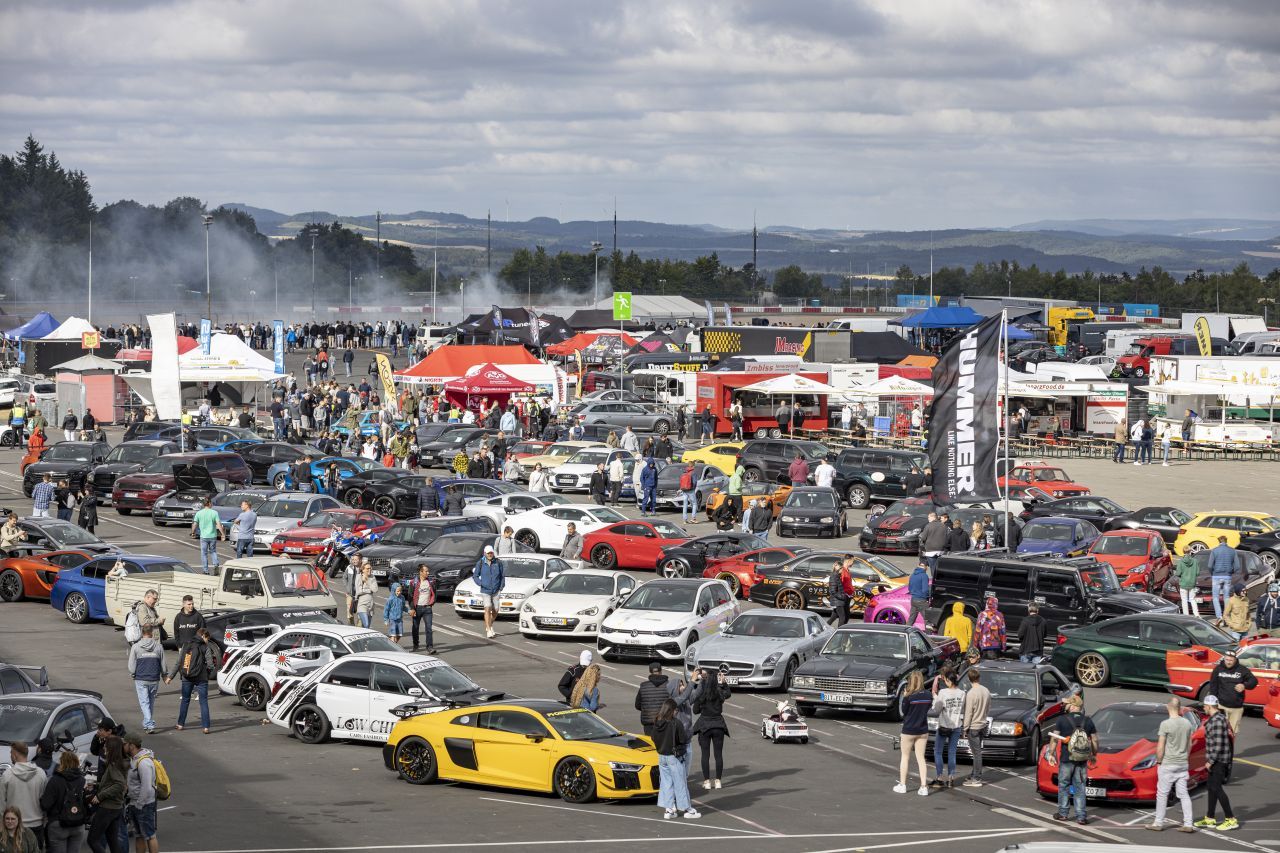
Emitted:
<point x="903" y="114"/>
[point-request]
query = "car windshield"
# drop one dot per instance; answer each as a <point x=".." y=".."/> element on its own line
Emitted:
<point x="763" y="625"/>
<point x="528" y="447"/>
<point x="908" y="509"/>
<point x="561" y="450"/>
<point x="523" y="567"/>
<point x="574" y="583"/>
<point x="810" y="500"/>
<point x="411" y="534"/>
<point x="372" y="642"/>
<point x="1111" y="506"/>
<point x="67" y="453"/>
<point x="20" y="721"/>
<point x="1054" y="532"/>
<point x="70" y="534"/>
<point x="1101" y="578"/>
<point x="667" y="530"/>
<point x="340" y="520"/>
<point x="133" y="454"/>
<point x="580" y="724"/>
<point x="292" y="579"/>
<point x="440" y="679"/>
<point x="588" y="457"/>
<point x="235" y="498"/>
<point x="1008" y="685"/>
<point x="662" y="597"/>
<point x="448" y="546"/>
<point x="284" y="508"/>
<point x="872" y="644"/>
<point x="1121" y="724"/>
<point x="1121" y="546"/>
<point x="1271" y="522"/>
<point x="1047" y="475"/>
<point x="812" y="450"/>
<point x="461" y="436"/>
<point x="884" y="567"/>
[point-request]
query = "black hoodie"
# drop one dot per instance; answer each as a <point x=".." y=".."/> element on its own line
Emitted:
<point x="670" y="738"/>
<point x="1031" y="635"/>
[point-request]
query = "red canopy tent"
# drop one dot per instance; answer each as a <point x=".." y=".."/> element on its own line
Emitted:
<point x="453" y="361"/>
<point x="582" y="340"/>
<point x="185" y="344"/>
<point x="488" y="381"/>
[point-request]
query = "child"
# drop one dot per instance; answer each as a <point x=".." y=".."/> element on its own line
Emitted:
<point x="393" y="612"/>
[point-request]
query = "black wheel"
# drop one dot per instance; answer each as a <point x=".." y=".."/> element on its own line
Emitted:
<point x="693" y="638"/>
<point x="574" y="781"/>
<point x="735" y="585"/>
<point x="384" y="506"/>
<point x="252" y="692"/>
<point x="76" y="606"/>
<point x="604" y="557"/>
<point x="528" y="538"/>
<point x="674" y="568"/>
<point x="310" y="724"/>
<point x="788" y="599"/>
<point x="804" y="740"/>
<point x="753" y="475"/>
<point x="1031" y="756"/>
<point x="281" y="481"/>
<point x="124" y="511"/>
<point x="1092" y="669"/>
<point x="859" y="496"/>
<point x="789" y="673"/>
<point x="8" y="439"/>
<point x="351" y="497"/>
<point x="806" y="710"/>
<point x="10" y="586"/>
<point x="415" y="761"/>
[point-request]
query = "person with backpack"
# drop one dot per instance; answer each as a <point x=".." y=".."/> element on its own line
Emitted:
<point x="569" y="680"/>
<point x="1077" y="740"/>
<point x="142" y="786"/>
<point x="66" y="811"/>
<point x="197" y="663"/>
<point x="146" y="668"/>
<point x="688" y="498"/>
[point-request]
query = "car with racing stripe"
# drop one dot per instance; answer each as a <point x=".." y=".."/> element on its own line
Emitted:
<point x="801" y="583"/>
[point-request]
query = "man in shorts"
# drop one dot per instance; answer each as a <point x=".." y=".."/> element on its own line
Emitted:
<point x="140" y="814"/>
<point x="489" y="576"/>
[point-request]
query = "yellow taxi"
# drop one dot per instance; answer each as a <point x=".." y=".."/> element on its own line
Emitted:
<point x="722" y="455"/>
<point x="1202" y="531"/>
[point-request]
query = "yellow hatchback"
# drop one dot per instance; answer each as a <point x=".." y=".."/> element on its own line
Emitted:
<point x="1202" y="531"/>
<point x="720" y="455"/>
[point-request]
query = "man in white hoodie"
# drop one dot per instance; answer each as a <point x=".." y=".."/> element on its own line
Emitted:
<point x="21" y="787"/>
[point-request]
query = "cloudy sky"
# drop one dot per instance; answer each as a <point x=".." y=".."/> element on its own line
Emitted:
<point x="879" y="114"/>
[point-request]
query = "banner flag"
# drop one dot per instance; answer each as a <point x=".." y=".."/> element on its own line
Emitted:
<point x="964" y="434"/>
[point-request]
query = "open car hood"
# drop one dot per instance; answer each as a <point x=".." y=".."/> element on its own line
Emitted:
<point x="193" y="478"/>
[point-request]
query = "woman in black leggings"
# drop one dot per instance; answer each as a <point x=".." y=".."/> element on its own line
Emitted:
<point x="708" y="704"/>
<point x="108" y="799"/>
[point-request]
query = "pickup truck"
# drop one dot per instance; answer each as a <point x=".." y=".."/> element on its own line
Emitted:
<point x="865" y="667"/>
<point x="244" y="584"/>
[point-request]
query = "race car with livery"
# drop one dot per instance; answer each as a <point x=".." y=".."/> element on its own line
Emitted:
<point x="739" y="571"/>
<point x="1188" y="670"/>
<point x="801" y="583"/>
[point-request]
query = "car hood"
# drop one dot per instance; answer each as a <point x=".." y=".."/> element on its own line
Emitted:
<point x="390" y="552"/>
<point x="557" y="603"/>
<point x="523" y="586"/>
<point x="311" y="533"/>
<point x="1047" y="546"/>
<point x="847" y="667"/>
<point x="1005" y="708"/>
<point x="897" y="524"/>
<point x="118" y="468"/>
<point x="273" y="523"/>
<point x="193" y="478"/>
<point x="1132" y="602"/>
<point x="648" y="620"/>
<point x="743" y="648"/>
<point x="810" y="511"/>
<point x="133" y="481"/>
<point x="57" y="467"/>
<point x="1122" y="563"/>
<point x="1259" y="541"/>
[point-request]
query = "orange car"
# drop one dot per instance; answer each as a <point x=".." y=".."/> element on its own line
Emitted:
<point x="31" y="570"/>
<point x="1049" y="478"/>
<point x="1189" y="669"/>
<point x="777" y="495"/>
<point x="1271" y="711"/>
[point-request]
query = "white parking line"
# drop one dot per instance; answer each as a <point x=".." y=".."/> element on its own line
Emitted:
<point x="974" y="837"/>
<point x="606" y="813"/>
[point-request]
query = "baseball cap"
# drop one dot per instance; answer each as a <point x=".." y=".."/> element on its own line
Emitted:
<point x="107" y="724"/>
<point x="1210" y="700"/>
<point x="1273" y="587"/>
<point x="133" y="738"/>
<point x="488" y="549"/>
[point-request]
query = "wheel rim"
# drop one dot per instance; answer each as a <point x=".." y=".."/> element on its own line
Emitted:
<point x="858" y="497"/>
<point x="1091" y="669"/>
<point x="353" y="497"/>
<point x="789" y="599"/>
<point x="384" y="506"/>
<point x="751" y="475"/>
<point x="890" y="616"/>
<point x="662" y="427"/>
<point x="306" y="724"/>
<point x="414" y="760"/>
<point x="735" y="585"/>
<point x="76" y="607"/>
<point x="10" y="586"/>
<point x="528" y="539"/>
<point x="673" y="569"/>
<point x="603" y="556"/>
<point x="252" y="694"/>
<point x="1195" y="548"/>
<point x="573" y="779"/>
<point x="281" y="481"/>
<point x="1269" y="560"/>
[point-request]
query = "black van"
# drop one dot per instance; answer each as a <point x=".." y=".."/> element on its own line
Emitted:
<point x="1071" y="590"/>
<point x="410" y="538"/>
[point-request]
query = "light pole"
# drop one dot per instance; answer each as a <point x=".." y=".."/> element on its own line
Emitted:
<point x="462" y="297"/>
<point x="662" y="284"/>
<point x="596" y="246"/>
<point x="208" y="287"/>
<point x="313" y="275"/>
<point x="253" y="301"/>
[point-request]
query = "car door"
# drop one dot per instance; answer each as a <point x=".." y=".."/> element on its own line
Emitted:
<point x="391" y="686"/>
<point x="639" y="545"/>
<point x="343" y="695"/>
<point x="623" y="586"/>
<point x="723" y="606"/>
<point x="815" y="636"/>
<point x="1264" y="662"/>
<point x="513" y="747"/>
<point x="1058" y="596"/>
<point x="74" y="723"/>
<point x="1154" y="639"/>
<point x="1053" y="687"/>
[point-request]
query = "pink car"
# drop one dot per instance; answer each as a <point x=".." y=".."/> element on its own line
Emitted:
<point x="892" y="607"/>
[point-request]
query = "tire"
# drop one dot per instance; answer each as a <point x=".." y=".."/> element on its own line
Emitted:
<point x="384" y="506"/>
<point x="76" y="608"/>
<point x="789" y="673"/>
<point x="804" y="709"/>
<point x="859" y="496"/>
<point x="1092" y="670"/>
<point x="734" y="583"/>
<point x="309" y="724"/>
<point x="10" y="586"/>
<point x="662" y="427"/>
<point x="1270" y="559"/>
<point x="574" y="781"/>
<point x="775" y="433"/>
<point x="752" y="475"/>
<point x="8" y="439"/>
<point x="1031" y="756"/>
<point x="281" y="481"/>
<point x="123" y="511"/>
<point x="762" y="432"/>
<point x="1197" y="547"/>
<point x="788" y="599"/>
<point x="528" y="538"/>
<point x="415" y="761"/>
<point x="604" y="557"/>
<point x="352" y="498"/>
<point x="674" y="568"/>
<point x="1139" y="372"/>
<point x="896" y="711"/>
<point x="253" y="692"/>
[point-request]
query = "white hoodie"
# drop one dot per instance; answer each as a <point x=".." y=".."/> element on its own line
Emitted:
<point x="22" y="785"/>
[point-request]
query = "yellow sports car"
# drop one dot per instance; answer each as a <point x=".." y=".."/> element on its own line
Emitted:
<point x="534" y="745"/>
<point x="721" y="455"/>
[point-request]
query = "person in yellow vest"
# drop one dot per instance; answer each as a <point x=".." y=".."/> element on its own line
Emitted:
<point x="18" y="420"/>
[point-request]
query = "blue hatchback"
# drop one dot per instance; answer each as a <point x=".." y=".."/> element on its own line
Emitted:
<point x="81" y="593"/>
<point x="1057" y="535"/>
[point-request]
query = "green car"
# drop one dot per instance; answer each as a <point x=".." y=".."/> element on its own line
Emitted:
<point x="1130" y="649"/>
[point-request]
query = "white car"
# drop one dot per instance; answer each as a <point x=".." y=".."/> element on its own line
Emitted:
<point x="352" y="697"/>
<point x="286" y="510"/>
<point x="574" y="474"/>
<point x="1105" y="363"/>
<point x="524" y="574"/>
<point x="249" y="672"/>
<point x="662" y="618"/>
<point x="574" y="603"/>
<point x="545" y="528"/>
<point x="513" y="503"/>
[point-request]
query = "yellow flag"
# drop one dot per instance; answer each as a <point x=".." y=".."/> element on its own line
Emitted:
<point x="1202" y="336"/>
<point x="388" y="381"/>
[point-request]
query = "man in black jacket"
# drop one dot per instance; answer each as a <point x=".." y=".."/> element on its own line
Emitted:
<point x="187" y="622"/>
<point x="1229" y="681"/>
<point x="1031" y="636"/>
<point x="302" y="474"/>
<point x="429" y="499"/>
<point x="454" y="501"/>
<point x="599" y="483"/>
<point x="572" y="674"/>
<point x="655" y="690"/>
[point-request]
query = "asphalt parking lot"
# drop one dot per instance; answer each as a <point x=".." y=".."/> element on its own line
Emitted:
<point x="249" y="787"/>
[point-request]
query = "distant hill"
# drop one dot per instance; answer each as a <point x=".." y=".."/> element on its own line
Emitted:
<point x="1203" y="229"/>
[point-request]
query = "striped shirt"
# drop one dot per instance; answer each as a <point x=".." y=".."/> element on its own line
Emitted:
<point x="42" y="495"/>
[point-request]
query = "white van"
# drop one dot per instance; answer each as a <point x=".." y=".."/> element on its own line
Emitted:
<point x="1251" y="343"/>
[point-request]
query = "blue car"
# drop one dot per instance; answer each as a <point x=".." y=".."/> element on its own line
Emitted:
<point x="81" y="593"/>
<point x="1057" y="535"/>
<point x="368" y="425"/>
<point x="235" y="445"/>
<point x="280" y="474"/>
<point x="223" y="437"/>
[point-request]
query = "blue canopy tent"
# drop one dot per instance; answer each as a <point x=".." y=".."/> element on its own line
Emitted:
<point x="943" y="317"/>
<point x="1017" y="333"/>
<point x="35" y="328"/>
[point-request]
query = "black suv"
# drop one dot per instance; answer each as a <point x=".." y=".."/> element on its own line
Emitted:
<point x="865" y="475"/>
<point x="1068" y="590"/>
<point x="262" y="455"/>
<point x="767" y="459"/>
<point x="72" y="461"/>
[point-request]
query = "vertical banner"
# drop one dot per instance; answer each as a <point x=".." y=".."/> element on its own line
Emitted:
<point x="497" y="325"/>
<point x="711" y="314"/>
<point x="206" y="336"/>
<point x="728" y="315"/>
<point x="1203" y="339"/>
<point x="388" y="381"/>
<point x="166" y="389"/>
<point x="964" y="435"/>
<point x="535" y="329"/>
<point x="277" y="344"/>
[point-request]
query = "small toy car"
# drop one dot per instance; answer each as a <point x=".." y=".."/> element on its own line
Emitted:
<point x="786" y="724"/>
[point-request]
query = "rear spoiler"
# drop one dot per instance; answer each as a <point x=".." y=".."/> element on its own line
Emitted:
<point x="38" y="674"/>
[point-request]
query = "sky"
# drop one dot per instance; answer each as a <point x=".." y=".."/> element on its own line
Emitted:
<point x="875" y="114"/>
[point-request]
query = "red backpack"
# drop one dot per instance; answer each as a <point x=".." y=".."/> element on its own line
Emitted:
<point x="686" y="481"/>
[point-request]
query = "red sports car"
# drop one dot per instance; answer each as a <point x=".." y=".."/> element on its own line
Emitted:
<point x="1271" y="711"/>
<point x="1125" y="767"/>
<point x="307" y="539"/>
<point x="1049" y="478"/>
<point x="1140" y="558"/>
<point x="32" y="569"/>
<point x="739" y="571"/>
<point x="631" y="544"/>
<point x="524" y="449"/>
<point x="1189" y="669"/>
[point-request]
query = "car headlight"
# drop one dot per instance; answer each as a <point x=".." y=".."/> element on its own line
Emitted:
<point x="605" y="629"/>
<point x="451" y="573"/>
<point x="691" y="656"/>
<point x="1139" y="569"/>
<point x="802" y="681"/>
<point x="877" y="687"/>
<point x="911" y="534"/>
<point x="827" y="519"/>
<point x="528" y="607"/>
<point x="789" y="519"/>
<point x="866" y="528"/>
<point x="279" y="540"/>
<point x="772" y="660"/>
<point x="1007" y="729"/>
<point x="1058" y="494"/>
<point x="624" y="767"/>
<point x="590" y="611"/>
<point x="675" y="633"/>
<point x="1146" y="763"/>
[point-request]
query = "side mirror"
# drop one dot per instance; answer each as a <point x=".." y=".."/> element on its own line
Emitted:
<point x="415" y="691"/>
<point x="703" y="610"/>
<point x="535" y="738"/>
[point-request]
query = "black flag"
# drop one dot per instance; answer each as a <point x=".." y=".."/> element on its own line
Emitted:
<point x="964" y="435"/>
<point x="535" y="329"/>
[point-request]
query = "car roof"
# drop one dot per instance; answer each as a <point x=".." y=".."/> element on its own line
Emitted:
<point x="146" y="442"/>
<point x="777" y="611"/>
<point x="795" y="490"/>
<point x="603" y="573"/>
<point x="1250" y="513"/>
<point x="48" y="698"/>
<point x="405" y="657"/>
<point x="1011" y="666"/>
<point x="681" y="582"/>
<point x="1056" y="519"/>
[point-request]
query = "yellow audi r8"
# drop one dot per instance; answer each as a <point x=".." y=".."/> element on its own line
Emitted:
<point x="533" y="745"/>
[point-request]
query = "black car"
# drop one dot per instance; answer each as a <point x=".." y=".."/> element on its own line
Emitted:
<point x="1265" y="545"/>
<point x="354" y="485"/>
<point x="192" y="484"/>
<point x="1101" y="511"/>
<point x="897" y="529"/>
<point x="432" y="431"/>
<point x="262" y="455"/>
<point x="247" y="626"/>
<point x="801" y="582"/>
<point x="451" y="557"/>
<point x="768" y="458"/>
<point x="60" y="535"/>
<point x="812" y="511"/>
<point x="152" y="430"/>
<point x="398" y="497"/>
<point x="1026" y="701"/>
<point x="1165" y="520"/>
<point x="407" y="539"/>
<point x="128" y="458"/>
<point x="440" y="452"/>
<point x="72" y="461"/>
<point x="865" y="475"/>
<point x="689" y="559"/>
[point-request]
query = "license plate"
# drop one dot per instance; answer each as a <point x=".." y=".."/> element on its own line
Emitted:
<point x="173" y="515"/>
<point x="963" y="743"/>
<point x="293" y="549"/>
<point x="557" y="621"/>
<point x="731" y="679"/>
<point x="473" y="602"/>
<point x="379" y="573"/>
<point x="1095" y="792"/>
<point x="130" y="494"/>
<point x="846" y="698"/>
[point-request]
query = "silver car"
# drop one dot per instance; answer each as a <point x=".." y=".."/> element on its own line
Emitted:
<point x="286" y="509"/>
<point x="634" y="415"/>
<point x="761" y="648"/>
